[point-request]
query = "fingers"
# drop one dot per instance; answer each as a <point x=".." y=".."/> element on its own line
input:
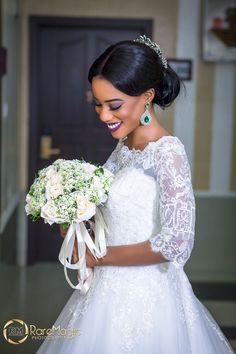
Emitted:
<point x="75" y="256"/>
<point x="63" y="231"/>
<point x="90" y="260"/>
<point x="75" y="259"/>
<point x="88" y="256"/>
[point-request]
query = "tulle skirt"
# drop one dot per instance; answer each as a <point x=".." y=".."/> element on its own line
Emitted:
<point x="136" y="310"/>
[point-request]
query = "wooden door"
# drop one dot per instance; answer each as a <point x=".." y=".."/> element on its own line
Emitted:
<point x="61" y="52"/>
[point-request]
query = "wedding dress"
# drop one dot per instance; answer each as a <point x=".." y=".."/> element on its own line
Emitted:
<point x="143" y="309"/>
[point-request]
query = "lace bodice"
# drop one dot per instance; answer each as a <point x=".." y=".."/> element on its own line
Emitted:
<point x="152" y="198"/>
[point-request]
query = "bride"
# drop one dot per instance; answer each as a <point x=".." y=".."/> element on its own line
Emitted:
<point x="141" y="300"/>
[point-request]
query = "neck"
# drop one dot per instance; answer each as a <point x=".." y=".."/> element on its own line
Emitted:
<point x="140" y="136"/>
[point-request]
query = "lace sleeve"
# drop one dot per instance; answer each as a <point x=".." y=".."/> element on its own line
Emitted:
<point x="176" y="205"/>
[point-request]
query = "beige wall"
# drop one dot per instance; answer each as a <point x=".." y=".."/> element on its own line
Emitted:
<point x="233" y="172"/>
<point x="204" y="107"/>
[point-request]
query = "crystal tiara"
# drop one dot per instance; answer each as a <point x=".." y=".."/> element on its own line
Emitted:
<point x="145" y="40"/>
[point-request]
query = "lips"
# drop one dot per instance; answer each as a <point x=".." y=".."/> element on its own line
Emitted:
<point x="114" y="126"/>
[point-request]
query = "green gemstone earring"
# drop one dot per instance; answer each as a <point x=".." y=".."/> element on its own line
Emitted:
<point x="146" y="118"/>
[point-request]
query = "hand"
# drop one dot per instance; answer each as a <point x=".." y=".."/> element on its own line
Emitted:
<point x="63" y="231"/>
<point x="91" y="262"/>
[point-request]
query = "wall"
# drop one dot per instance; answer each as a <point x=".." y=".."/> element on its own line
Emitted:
<point x="10" y="123"/>
<point x="9" y="113"/>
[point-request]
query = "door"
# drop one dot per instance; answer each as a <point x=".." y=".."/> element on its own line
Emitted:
<point x="61" y="112"/>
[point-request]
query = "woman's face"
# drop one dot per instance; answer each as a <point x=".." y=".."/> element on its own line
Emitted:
<point x="117" y="110"/>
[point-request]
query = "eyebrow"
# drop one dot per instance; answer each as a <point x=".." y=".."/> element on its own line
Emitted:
<point x="112" y="100"/>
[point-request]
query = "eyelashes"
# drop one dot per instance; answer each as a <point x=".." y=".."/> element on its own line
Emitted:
<point x="112" y="108"/>
<point x="115" y="108"/>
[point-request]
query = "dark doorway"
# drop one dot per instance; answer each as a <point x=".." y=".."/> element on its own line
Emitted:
<point x="61" y="112"/>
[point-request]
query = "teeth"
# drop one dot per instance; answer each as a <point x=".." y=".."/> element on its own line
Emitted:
<point x="113" y="125"/>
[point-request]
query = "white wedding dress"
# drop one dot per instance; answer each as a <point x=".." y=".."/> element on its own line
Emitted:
<point x="143" y="309"/>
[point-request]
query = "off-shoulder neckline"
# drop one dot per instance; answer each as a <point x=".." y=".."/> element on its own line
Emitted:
<point x="150" y="143"/>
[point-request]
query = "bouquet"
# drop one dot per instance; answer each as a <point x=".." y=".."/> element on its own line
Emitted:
<point x="68" y="192"/>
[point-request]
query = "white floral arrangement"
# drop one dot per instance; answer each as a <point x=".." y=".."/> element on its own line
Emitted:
<point x="69" y="192"/>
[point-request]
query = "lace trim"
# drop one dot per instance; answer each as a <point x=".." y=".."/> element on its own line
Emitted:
<point x="150" y="143"/>
<point x="122" y="156"/>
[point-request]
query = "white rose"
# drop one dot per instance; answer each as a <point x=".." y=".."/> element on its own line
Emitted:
<point x="28" y="198"/>
<point x="97" y="182"/>
<point x="55" y="179"/>
<point x="88" y="168"/>
<point x="28" y="209"/>
<point x="53" y="190"/>
<point x="51" y="172"/>
<point x="53" y="186"/>
<point x="48" y="212"/>
<point x="85" y="209"/>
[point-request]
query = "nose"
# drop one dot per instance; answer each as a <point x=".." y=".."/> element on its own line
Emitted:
<point x="105" y="115"/>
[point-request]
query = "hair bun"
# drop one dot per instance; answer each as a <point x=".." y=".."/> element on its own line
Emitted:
<point x="169" y="88"/>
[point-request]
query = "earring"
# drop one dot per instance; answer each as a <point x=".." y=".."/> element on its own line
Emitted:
<point x="146" y="118"/>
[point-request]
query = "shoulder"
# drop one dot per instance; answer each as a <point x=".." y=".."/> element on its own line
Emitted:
<point x="170" y="155"/>
<point x="168" y="148"/>
<point x="169" y="144"/>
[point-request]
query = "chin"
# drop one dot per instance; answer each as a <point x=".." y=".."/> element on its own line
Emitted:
<point x="117" y="135"/>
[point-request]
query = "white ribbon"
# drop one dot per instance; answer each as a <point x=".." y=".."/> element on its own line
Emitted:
<point x="97" y="248"/>
<point x="99" y="232"/>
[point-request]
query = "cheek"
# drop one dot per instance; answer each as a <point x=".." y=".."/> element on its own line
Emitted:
<point x="131" y="114"/>
<point x="98" y="110"/>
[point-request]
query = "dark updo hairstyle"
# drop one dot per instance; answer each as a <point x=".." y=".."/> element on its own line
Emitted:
<point x="133" y="68"/>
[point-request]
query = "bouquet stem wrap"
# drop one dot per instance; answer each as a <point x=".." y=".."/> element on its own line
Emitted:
<point x="77" y="230"/>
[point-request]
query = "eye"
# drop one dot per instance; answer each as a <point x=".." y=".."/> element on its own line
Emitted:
<point x="96" y="104"/>
<point x="115" y="108"/>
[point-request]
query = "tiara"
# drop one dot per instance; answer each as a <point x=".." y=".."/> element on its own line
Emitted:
<point x="145" y="40"/>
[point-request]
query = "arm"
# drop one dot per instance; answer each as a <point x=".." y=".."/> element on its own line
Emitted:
<point x="177" y="206"/>
<point x="127" y="255"/>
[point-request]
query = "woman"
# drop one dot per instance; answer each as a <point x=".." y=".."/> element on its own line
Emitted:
<point x="140" y="300"/>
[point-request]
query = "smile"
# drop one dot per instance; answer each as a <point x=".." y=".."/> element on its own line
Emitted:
<point x="113" y="126"/>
